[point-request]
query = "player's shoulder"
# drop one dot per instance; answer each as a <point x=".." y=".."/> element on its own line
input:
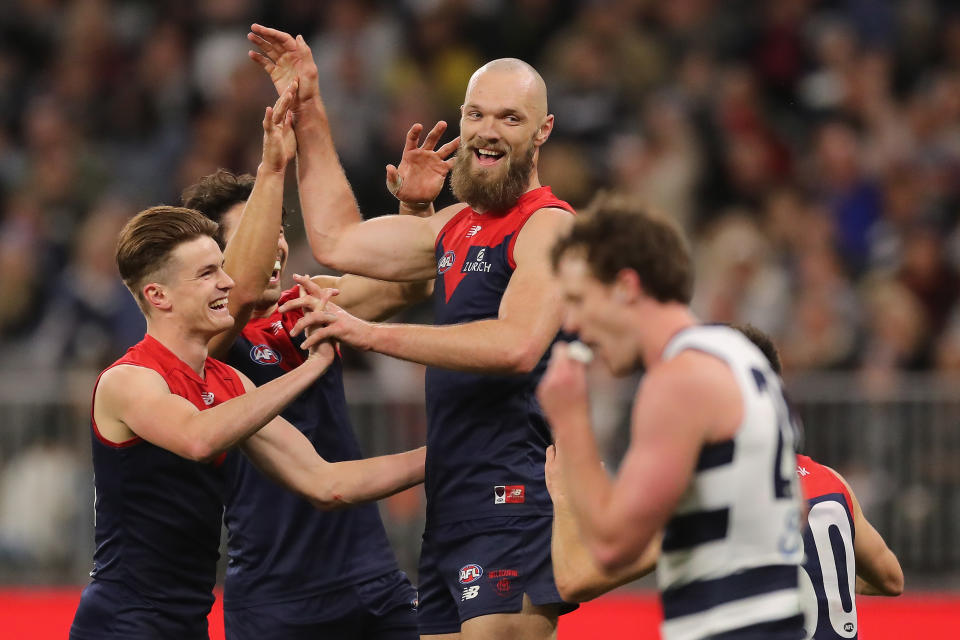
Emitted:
<point x="129" y="381"/>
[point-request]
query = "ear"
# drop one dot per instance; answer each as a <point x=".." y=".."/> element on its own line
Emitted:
<point x="156" y="296"/>
<point x="546" y="127"/>
<point x="627" y="287"/>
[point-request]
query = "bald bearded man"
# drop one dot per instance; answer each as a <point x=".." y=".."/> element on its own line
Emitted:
<point x="485" y="567"/>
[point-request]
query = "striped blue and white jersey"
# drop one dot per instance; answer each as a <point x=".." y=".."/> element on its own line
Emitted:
<point x="733" y="548"/>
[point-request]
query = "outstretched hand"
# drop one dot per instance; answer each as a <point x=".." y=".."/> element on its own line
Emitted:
<point x="279" y="141"/>
<point x="323" y="320"/>
<point x="419" y="178"/>
<point x="286" y="59"/>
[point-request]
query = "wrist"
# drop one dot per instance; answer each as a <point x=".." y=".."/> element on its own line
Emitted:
<point x="266" y="169"/>
<point x="415" y="208"/>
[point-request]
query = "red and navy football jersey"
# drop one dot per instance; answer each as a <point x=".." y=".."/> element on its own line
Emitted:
<point x="827" y="593"/>
<point x="279" y="546"/>
<point x="486" y="434"/>
<point x="157" y="515"/>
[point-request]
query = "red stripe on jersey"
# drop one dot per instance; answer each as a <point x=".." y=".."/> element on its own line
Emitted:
<point x="818" y="480"/>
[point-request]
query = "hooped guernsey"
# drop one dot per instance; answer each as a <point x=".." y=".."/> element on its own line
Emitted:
<point x="486" y="434"/>
<point x="158" y="515"/>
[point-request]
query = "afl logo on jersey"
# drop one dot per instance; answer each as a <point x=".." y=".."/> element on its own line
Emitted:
<point x="446" y="261"/>
<point x="470" y="573"/>
<point x="262" y="354"/>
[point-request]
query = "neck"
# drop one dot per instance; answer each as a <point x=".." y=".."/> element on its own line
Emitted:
<point x="264" y="312"/>
<point x="661" y="322"/>
<point x="190" y="347"/>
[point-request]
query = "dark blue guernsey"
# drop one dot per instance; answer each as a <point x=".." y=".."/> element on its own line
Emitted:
<point x="280" y="547"/>
<point x="157" y="516"/>
<point x="486" y="434"/>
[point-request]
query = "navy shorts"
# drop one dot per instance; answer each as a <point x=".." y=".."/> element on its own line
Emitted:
<point x="384" y="608"/>
<point x="481" y="567"/>
<point x="110" y="610"/>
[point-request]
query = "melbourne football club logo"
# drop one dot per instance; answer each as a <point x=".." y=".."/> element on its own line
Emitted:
<point x="446" y="261"/>
<point x="262" y="354"/>
<point x="470" y="573"/>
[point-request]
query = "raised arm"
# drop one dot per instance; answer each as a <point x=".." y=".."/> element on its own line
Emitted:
<point x="878" y="570"/>
<point x="132" y="401"/>
<point x="250" y="255"/>
<point x="578" y="576"/>
<point x="513" y="342"/>
<point x="388" y="248"/>
<point x="618" y="520"/>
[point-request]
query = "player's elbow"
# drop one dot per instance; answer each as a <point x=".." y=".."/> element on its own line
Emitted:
<point x="573" y="588"/>
<point x="611" y="557"/>
<point x="522" y="358"/>
<point x="202" y="451"/>
<point x="893" y="582"/>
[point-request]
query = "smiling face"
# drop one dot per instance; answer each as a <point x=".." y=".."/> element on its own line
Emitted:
<point x="273" y="291"/>
<point x="194" y="287"/>
<point x="597" y="313"/>
<point x="502" y="125"/>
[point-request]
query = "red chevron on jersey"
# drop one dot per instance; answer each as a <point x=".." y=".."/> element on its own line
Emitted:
<point x="473" y="243"/>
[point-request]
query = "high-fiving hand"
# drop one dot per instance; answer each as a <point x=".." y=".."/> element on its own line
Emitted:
<point x="419" y="178"/>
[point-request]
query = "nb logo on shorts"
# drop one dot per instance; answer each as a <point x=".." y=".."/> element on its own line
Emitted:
<point x="470" y="593"/>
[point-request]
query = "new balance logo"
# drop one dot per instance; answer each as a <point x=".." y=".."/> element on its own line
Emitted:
<point x="802" y="471"/>
<point x="473" y="230"/>
<point x="207" y="397"/>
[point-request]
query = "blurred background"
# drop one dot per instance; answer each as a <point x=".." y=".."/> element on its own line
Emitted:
<point x="810" y="149"/>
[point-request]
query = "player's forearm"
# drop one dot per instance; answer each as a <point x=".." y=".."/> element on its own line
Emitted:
<point x="326" y="198"/>
<point x="371" y="299"/>
<point x="251" y="255"/>
<point x="574" y="570"/>
<point x="219" y="428"/>
<point x="610" y="543"/>
<point x="483" y="346"/>
<point x="882" y="577"/>
<point x="358" y="481"/>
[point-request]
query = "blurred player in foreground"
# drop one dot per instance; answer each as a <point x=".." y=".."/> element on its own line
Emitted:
<point x="162" y="418"/>
<point x="485" y="569"/>
<point x="295" y="572"/>
<point x="827" y="582"/>
<point x="711" y="459"/>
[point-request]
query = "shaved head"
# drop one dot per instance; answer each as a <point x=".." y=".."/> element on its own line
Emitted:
<point x="525" y="81"/>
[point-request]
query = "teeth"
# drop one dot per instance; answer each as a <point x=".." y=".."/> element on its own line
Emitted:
<point x="487" y="152"/>
<point x="218" y="304"/>
<point x="277" y="265"/>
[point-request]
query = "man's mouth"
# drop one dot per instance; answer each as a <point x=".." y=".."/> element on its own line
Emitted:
<point x="220" y="304"/>
<point x="275" y="274"/>
<point x="487" y="157"/>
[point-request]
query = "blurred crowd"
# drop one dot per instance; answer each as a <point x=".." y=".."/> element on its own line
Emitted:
<point x="811" y="149"/>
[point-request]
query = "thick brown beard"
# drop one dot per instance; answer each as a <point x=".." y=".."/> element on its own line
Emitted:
<point x="486" y="194"/>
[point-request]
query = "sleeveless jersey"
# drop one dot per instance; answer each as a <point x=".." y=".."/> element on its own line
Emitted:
<point x="280" y="547"/>
<point x="827" y="586"/>
<point x="486" y="434"/>
<point x="732" y="549"/>
<point x="157" y="515"/>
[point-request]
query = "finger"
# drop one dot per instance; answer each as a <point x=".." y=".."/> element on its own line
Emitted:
<point x="302" y="302"/>
<point x="266" y="48"/>
<point x="413" y="137"/>
<point x="283" y="103"/>
<point x="319" y="335"/>
<point x="313" y="288"/>
<point x="431" y="140"/>
<point x="267" y="117"/>
<point x="393" y="179"/>
<point x="262" y="60"/>
<point x="451" y="163"/>
<point x="303" y="46"/>
<point x="449" y="147"/>
<point x="278" y="38"/>
<point x="551" y="453"/>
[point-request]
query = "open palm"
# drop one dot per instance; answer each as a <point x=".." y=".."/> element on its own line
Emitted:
<point x="420" y="176"/>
